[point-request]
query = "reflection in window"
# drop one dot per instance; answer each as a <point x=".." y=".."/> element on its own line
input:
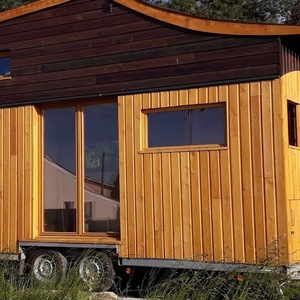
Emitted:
<point x="59" y="170"/>
<point x="98" y="137"/>
<point x="292" y="124"/>
<point x="187" y="127"/>
<point x="101" y="168"/>
<point x="4" y="64"/>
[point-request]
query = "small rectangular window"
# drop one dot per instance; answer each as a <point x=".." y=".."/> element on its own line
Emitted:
<point x="202" y="125"/>
<point x="4" y="64"/>
<point x="292" y="124"/>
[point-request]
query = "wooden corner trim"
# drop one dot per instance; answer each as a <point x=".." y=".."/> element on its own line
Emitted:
<point x="29" y="8"/>
<point x="208" y="25"/>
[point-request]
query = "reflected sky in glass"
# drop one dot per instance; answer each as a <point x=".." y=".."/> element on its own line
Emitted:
<point x="187" y="127"/>
<point x="5" y="66"/>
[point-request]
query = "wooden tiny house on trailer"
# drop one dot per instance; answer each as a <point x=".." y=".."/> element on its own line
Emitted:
<point x="158" y="138"/>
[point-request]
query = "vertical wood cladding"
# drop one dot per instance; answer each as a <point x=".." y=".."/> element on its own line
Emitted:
<point x="78" y="49"/>
<point x="291" y="92"/>
<point x="17" y="167"/>
<point x="207" y="204"/>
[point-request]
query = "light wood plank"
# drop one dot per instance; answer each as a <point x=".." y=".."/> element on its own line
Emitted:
<point x="158" y="208"/>
<point x="196" y="205"/>
<point x="213" y="94"/>
<point x="164" y="99"/>
<point x="206" y="207"/>
<point x="227" y="217"/>
<point x="149" y="213"/>
<point x="130" y="176"/>
<point x="6" y="182"/>
<point x="174" y="98"/>
<point x="177" y="209"/>
<point x="246" y="163"/>
<point x="20" y="162"/>
<point x="193" y="96"/>
<point x="167" y="206"/>
<point x="122" y="174"/>
<point x="257" y="169"/>
<point x="139" y="174"/>
<point x="1" y="178"/>
<point x="268" y="159"/>
<point x="155" y="100"/>
<point x="216" y="206"/>
<point x="186" y="206"/>
<point x="236" y="185"/>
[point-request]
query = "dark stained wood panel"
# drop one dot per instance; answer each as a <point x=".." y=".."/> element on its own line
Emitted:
<point x="87" y="48"/>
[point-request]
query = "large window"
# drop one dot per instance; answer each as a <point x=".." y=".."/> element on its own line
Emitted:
<point x="201" y="125"/>
<point x="81" y="175"/>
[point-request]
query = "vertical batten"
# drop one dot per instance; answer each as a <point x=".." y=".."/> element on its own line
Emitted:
<point x="1" y="179"/>
<point x="130" y="175"/>
<point x="167" y="206"/>
<point x="139" y="187"/>
<point x="20" y="179"/>
<point x="187" y="225"/>
<point x="157" y="206"/>
<point x="268" y="163"/>
<point x="257" y="169"/>
<point x="14" y="182"/>
<point x="247" y="176"/>
<point x="196" y="217"/>
<point x="235" y="165"/>
<point x="206" y="206"/>
<point x="123" y="178"/>
<point x="149" y="214"/>
<point x="216" y="206"/>
<point x="6" y="182"/>
<point x="177" y="205"/>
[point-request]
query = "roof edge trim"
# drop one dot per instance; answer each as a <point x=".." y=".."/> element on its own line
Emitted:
<point x="208" y="25"/>
<point x="29" y="8"/>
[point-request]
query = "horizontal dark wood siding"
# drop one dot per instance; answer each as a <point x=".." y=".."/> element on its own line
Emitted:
<point x="87" y="48"/>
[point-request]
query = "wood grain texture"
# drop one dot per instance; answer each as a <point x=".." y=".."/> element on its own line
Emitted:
<point x="206" y="203"/>
<point x="69" y="50"/>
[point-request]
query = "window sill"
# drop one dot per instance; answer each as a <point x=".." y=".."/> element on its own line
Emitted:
<point x="5" y="77"/>
<point x="184" y="149"/>
<point x="294" y="147"/>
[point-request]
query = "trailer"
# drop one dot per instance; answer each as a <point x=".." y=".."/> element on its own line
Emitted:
<point x="147" y="137"/>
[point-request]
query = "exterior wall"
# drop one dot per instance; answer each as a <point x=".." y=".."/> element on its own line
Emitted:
<point x="85" y="49"/>
<point x="18" y="168"/>
<point x="291" y="91"/>
<point x="211" y="204"/>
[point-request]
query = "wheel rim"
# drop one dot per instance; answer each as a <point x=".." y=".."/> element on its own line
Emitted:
<point x="44" y="267"/>
<point x="91" y="269"/>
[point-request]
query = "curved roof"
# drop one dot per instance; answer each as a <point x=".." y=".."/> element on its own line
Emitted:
<point x="171" y="17"/>
<point x="208" y="25"/>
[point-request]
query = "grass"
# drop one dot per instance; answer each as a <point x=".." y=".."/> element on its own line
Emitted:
<point x="202" y="285"/>
<point x="158" y="284"/>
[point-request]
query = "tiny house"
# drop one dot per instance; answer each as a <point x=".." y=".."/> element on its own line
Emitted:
<point x="152" y="137"/>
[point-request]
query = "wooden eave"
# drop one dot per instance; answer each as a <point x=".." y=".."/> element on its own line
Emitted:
<point x="29" y="8"/>
<point x="208" y="25"/>
<point x="171" y="17"/>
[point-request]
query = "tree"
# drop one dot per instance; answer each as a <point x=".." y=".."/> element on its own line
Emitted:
<point x="8" y="4"/>
<point x="258" y="11"/>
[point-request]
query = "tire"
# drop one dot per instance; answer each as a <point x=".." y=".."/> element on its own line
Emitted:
<point x="47" y="266"/>
<point x="96" y="271"/>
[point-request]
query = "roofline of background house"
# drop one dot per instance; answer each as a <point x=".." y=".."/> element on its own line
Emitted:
<point x="171" y="17"/>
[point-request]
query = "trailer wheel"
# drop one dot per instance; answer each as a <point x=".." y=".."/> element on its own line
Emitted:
<point x="96" y="271"/>
<point x="47" y="265"/>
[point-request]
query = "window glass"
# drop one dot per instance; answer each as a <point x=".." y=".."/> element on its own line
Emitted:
<point x="187" y="127"/>
<point x="59" y="170"/>
<point x="101" y="168"/>
<point x="292" y="123"/>
<point x="4" y="64"/>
